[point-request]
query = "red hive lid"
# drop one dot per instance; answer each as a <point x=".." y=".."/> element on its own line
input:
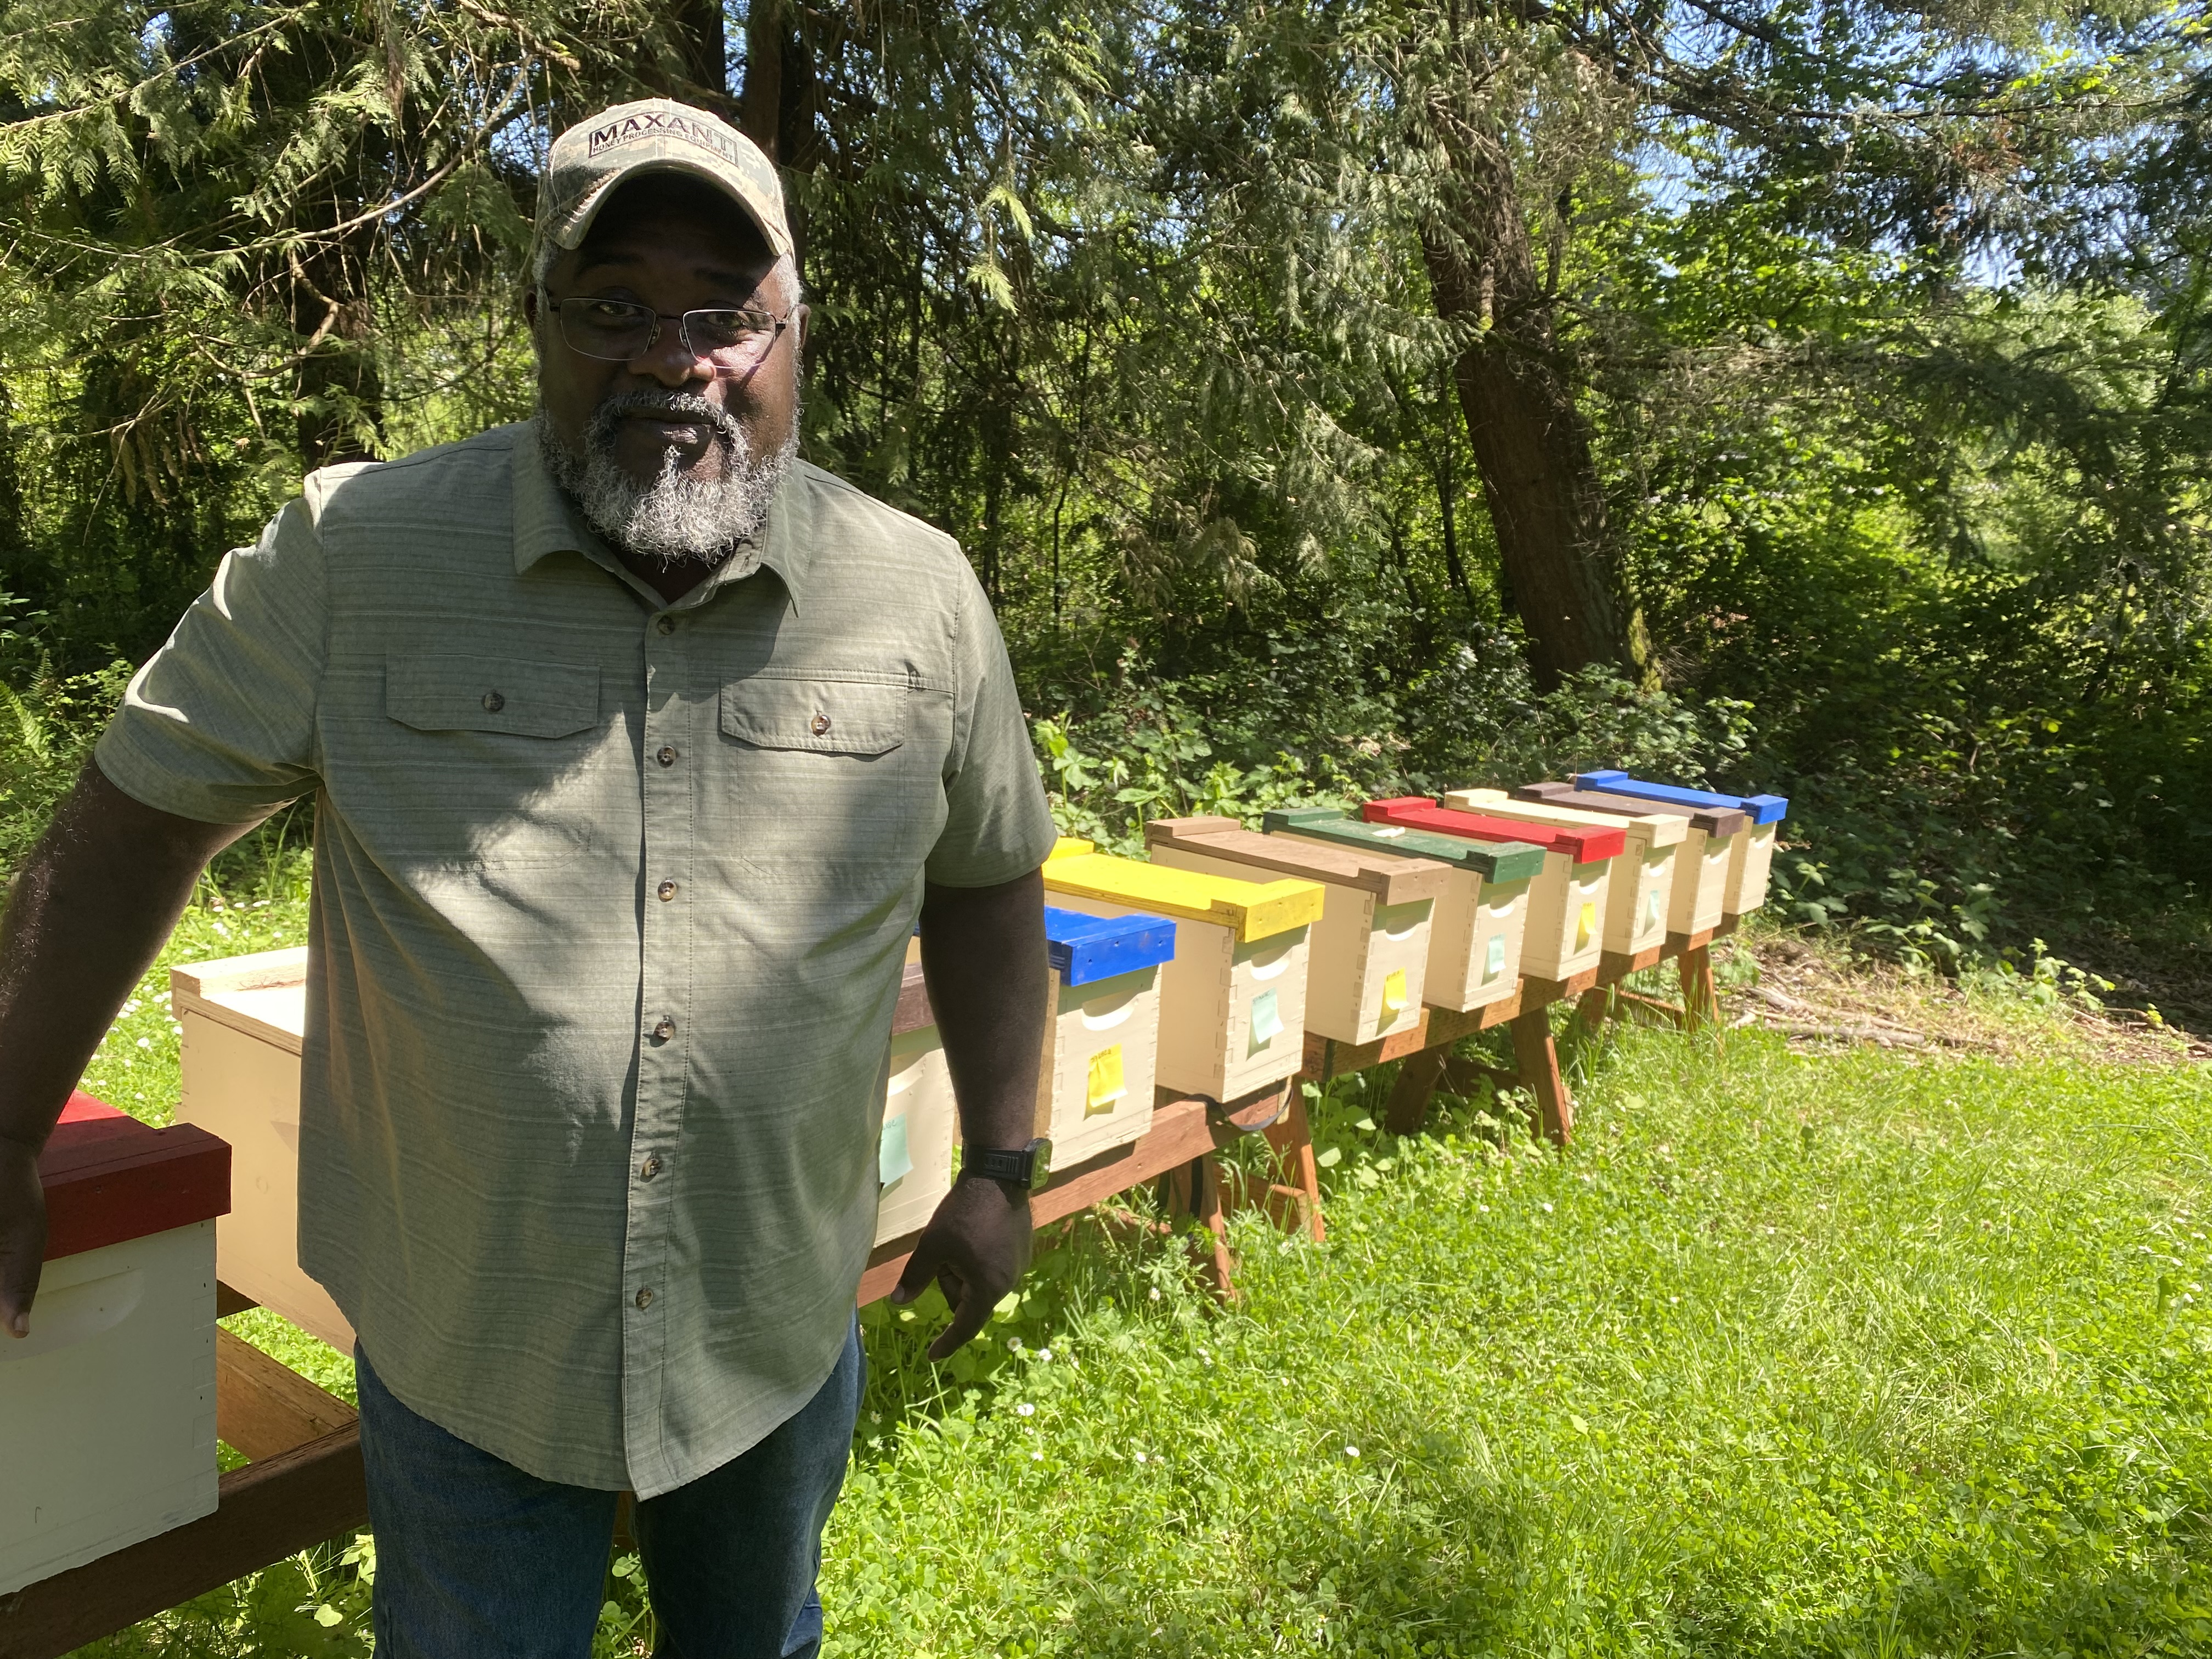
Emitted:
<point x="1419" y="812"/>
<point x="109" y="1177"/>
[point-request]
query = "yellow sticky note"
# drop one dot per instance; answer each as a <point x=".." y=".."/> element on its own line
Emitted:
<point x="1105" y="1086"/>
<point x="1393" y="995"/>
<point x="1585" y="925"/>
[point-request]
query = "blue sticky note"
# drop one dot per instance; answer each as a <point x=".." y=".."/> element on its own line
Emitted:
<point x="1494" y="962"/>
<point x="1267" y="1019"/>
<point x="891" y="1159"/>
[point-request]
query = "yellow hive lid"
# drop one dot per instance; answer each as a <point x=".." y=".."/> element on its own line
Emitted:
<point x="1256" y="909"/>
<point x="1654" y="830"/>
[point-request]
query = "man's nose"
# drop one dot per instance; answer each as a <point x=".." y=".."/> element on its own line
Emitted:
<point x="670" y="361"/>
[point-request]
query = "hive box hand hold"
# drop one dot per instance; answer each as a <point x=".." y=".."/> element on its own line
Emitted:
<point x="1233" y="999"/>
<point x="1701" y="864"/>
<point x="1753" y="859"/>
<point x="1106" y="1028"/>
<point x="922" y="1125"/>
<point x="1475" y="932"/>
<point x="1640" y="888"/>
<point x="1565" y="931"/>
<point x="107" y="1429"/>
<point x="1371" y="947"/>
<point x="243" y="1020"/>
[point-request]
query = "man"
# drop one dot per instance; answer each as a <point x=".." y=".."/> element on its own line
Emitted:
<point x="637" y="747"/>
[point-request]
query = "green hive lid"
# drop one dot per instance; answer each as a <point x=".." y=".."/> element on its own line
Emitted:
<point x="1493" y="861"/>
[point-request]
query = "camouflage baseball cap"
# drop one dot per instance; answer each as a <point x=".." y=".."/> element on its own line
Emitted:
<point x="655" y="135"/>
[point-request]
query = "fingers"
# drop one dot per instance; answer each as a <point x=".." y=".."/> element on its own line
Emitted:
<point x="971" y="1307"/>
<point x="920" y="1268"/>
<point x="19" y="1265"/>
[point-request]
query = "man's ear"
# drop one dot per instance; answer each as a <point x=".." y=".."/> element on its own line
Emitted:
<point x="800" y="314"/>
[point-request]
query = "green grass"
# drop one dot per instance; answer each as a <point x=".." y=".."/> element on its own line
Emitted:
<point x="1873" y="1354"/>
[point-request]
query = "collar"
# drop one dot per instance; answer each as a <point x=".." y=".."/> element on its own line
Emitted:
<point x="546" y="521"/>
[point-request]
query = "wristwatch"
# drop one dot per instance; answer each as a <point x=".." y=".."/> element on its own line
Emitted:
<point x="1027" y="1170"/>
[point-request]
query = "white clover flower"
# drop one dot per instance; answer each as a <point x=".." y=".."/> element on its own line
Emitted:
<point x="1351" y="1451"/>
<point x="145" y="1043"/>
<point x="1025" y="1410"/>
<point x="1140" y="1457"/>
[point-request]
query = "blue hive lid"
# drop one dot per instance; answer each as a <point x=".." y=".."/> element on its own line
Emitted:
<point x="1084" y="949"/>
<point x="1763" y="809"/>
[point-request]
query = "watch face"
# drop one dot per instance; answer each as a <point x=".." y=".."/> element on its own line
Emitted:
<point x="1040" y="1152"/>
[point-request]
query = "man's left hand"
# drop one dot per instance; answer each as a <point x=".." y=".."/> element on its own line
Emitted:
<point x="977" y="1248"/>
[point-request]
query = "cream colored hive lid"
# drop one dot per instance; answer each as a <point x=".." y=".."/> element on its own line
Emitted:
<point x="265" y="994"/>
<point x="1392" y="879"/>
<point x="1652" y="829"/>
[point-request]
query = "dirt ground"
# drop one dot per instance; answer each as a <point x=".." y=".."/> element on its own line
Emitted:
<point x="1821" y="994"/>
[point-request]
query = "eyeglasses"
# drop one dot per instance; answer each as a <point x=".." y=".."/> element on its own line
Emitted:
<point x="731" y="339"/>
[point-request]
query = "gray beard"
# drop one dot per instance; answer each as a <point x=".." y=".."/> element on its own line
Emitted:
<point x="674" y="519"/>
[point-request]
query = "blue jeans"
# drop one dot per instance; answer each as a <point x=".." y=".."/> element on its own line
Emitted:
<point x="476" y="1560"/>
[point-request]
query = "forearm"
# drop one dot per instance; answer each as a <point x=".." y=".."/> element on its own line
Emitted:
<point x="984" y="955"/>
<point x="89" y="912"/>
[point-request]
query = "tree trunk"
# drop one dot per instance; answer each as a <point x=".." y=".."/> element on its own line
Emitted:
<point x="339" y="384"/>
<point x="761" y="109"/>
<point x="706" y="62"/>
<point x="1530" y="444"/>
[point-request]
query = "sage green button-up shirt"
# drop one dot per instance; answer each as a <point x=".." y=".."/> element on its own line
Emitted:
<point x="610" y="902"/>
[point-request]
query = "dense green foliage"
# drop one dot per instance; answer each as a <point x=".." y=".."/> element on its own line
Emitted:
<point x="1886" y="328"/>
<point x="1837" y="1355"/>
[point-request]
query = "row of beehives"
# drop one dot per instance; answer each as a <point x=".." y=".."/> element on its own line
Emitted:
<point x="1198" y="969"/>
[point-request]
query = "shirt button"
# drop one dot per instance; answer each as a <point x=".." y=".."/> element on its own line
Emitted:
<point x="645" y="1298"/>
<point x="667" y="891"/>
<point x="492" y="703"/>
<point x="665" y="1028"/>
<point x="821" y="726"/>
<point x="667" y="754"/>
<point x="650" y="1168"/>
<point x="665" y="625"/>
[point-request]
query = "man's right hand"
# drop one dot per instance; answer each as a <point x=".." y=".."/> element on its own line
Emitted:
<point x="22" y="1235"/>
<point x="89" y="909"/>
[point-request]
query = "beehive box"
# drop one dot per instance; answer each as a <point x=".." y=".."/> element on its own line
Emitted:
<point x="108" y="1432"/>
<point x="1233" y="999"/>
<point x="243" y="1020"/>
<point x="1106" y="1028"/>
<point x="1753" y="863"/>
<point x="1370" y="946"/>
<point x="1476" y="930"/>
<point x="1564" y="933"/>
<point x="1701" y="863"/>
<point x="1642" y="884"/>
<point x="922" y="1124"/>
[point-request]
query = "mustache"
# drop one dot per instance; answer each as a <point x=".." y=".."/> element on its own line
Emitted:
<point x="600" y="430"/>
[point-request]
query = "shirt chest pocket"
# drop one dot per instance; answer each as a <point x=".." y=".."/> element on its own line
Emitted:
<point x="823" y="715"/>
<point x="503" y="695"/>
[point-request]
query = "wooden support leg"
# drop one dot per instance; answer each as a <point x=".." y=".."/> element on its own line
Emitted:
<point x="1539" y="1061"/>
<point x="1291" y="1139"/>
<point x="1218" y="1265"/>
<point x="1700" y="997"/>
<point x="1194" y="1189"/>
<point x="1409" y="1095"/>
<point x="1595" y="1004"/>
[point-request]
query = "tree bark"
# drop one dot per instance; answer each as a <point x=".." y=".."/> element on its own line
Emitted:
<point x="1531" y="445"/>
<point x="761" y="112"/>
<point x="706" y="62"/>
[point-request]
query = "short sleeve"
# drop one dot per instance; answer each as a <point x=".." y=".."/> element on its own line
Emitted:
<point x="219" y="725"/>
<point x="997" y="824"/>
